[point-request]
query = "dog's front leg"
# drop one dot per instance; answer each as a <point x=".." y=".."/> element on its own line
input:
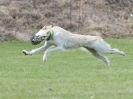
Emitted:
<point x="51" y="50"/>
<point x="37" y="50"/>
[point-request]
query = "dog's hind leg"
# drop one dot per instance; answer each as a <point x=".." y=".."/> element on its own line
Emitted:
<point x="99" y="56"/>
<point x="116" y="51"/>
<point x="103" y="47"/>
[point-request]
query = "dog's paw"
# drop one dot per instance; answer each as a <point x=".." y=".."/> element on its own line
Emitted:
<point x="25" y="52"/>
<point x="123" y="53"/>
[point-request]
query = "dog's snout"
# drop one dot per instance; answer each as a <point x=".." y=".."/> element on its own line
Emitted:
<point x="32" y="39"/>
<point x="35" y="40"/>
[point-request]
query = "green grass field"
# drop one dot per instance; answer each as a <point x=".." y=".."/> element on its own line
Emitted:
<point x="66" y="75"/>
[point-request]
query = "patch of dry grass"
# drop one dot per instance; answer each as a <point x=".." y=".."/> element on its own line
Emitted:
<point x="108" y="17"/>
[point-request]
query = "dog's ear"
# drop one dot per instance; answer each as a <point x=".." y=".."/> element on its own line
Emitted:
<point x="44" y="28"/>
<point x="49" y="27"/>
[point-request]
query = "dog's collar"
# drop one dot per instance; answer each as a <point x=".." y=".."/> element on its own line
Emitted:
<point x="51" y="34"/>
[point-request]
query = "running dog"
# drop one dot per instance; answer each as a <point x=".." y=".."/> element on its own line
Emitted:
<point x="57" y="38"/>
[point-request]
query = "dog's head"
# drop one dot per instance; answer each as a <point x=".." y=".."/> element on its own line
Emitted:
<point x="44" y="34"/>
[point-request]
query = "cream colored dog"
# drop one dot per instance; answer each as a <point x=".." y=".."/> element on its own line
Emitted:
<point x="63" y="40"/>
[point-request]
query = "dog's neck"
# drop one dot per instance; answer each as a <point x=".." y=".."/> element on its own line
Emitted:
<point x="51" y="34"/>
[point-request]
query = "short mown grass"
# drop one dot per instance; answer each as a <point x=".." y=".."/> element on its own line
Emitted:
<point x="66" y="75"/>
